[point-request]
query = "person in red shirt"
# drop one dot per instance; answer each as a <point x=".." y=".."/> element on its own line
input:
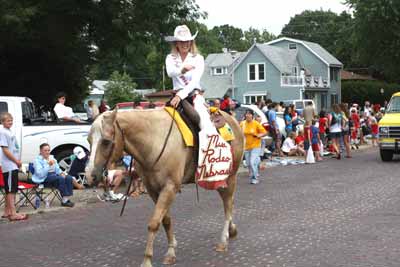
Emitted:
<point x="356" y="126"/>
<point x="225" y="104"/>
<point x="323" y="122"/>
<point x="299" y="140"/>
<point x="374" y="131"/>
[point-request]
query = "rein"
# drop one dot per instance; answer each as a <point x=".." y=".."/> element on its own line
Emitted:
<point x="131" y="162"/>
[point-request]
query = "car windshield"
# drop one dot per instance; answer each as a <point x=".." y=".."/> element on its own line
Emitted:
<point x="394" y="105"/>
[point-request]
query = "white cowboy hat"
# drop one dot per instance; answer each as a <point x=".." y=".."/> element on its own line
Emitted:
<point x="181" y="33"/>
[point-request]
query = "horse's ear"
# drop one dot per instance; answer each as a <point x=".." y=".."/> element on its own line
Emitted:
<point x="108" y="124"/>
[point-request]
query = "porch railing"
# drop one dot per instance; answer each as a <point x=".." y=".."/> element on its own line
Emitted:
<point x="307" y="81"/>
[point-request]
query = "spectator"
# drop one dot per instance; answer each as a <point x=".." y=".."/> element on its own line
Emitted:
<point x="226" y="104"/>
<point x="322" y="125"/>
<point x="356" y="126"/>
<point x="289" y="148"/>
<point x="346" y="128"/>
<point x="103" y="106"/>
<point x="78" y="166"/>
<point x="274" y="129"/>
<point x="63" y="112"/>
<point x="115" y="177"/>
<point x="299" y="140"/>
<point x="367" y="109"/>
<point x="335" y="123"/>
<point x="315" y="140"/>
<point x="48" y="172"/>
<point x="217" y="103"/>
<point x="309" y="112"/>
<point x="294" y="115"/>
<point x="10" y="163"/>
<point x="253" y="132"/>
<point x="374" y="131"/>
<point x="92" y="110"/>
<point x="307" y="136"/>
<point x="288" y="120"/>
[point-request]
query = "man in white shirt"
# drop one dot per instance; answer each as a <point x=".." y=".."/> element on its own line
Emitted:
<point x="63" y="112"/>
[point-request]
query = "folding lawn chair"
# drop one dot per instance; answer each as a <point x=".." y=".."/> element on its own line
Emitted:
<point x="26" y="191"/>
<point x="50" y="194"/>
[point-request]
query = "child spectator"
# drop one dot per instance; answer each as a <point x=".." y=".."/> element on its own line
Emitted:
<point x="299" y="140"/>
<point x="289" y="147"/>
<point x="10" y="163"/>
<point x="374" y="131"/>
<point x="322" y="122"/>
<point x="315" y="140"/>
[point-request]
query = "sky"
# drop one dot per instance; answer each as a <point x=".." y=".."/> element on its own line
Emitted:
<point x="271" y="15"/>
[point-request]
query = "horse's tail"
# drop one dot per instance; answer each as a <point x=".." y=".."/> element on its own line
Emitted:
<point x="238" y="143"/>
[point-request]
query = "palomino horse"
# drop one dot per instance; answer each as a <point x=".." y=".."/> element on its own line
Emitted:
<point x="142" y="134"/>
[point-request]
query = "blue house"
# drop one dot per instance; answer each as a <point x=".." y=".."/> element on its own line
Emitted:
<point x="283" y="69"/>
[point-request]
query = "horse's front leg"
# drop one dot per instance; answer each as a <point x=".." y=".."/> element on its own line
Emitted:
<point x="170" y="257"/>
<point x="164" y="201"/>
<point x="229" y="230"/>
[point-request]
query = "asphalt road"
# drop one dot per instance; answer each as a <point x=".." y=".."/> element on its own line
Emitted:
<point x="334" y="213"/>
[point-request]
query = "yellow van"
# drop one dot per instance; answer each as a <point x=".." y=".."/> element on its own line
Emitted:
<point x="389" y="129"/>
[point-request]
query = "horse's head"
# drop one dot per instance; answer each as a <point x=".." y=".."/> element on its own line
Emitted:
<point x="102" y="139"/>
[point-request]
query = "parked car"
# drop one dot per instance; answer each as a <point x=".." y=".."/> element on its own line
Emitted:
<point x="240" y="112"/>
<point x="300" y="104"/>
<point x="31" y="130"/>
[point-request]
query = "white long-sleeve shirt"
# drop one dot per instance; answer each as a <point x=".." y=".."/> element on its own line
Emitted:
<point x="191" y="79"/>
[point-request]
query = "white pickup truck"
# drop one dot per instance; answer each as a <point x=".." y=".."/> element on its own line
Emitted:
<point x="32" y="130"/>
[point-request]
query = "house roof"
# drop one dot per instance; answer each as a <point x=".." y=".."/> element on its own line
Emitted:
<point x="221" y="59"/>
<point x="215" y="86"/>
<point x="348" y="75"/>
<point x="282" y="59"/>
<point x="315" y="48"/>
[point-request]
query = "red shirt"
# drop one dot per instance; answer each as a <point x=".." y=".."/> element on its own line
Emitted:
<point x="374" y="128"/>
<point x="356" y="119"/>
<point x="322" y="124"/>
<point x="299" y="139"/>
<point x="225" y="104"/>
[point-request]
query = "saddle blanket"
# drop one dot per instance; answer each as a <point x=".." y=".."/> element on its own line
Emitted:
<point x="187" y="134"/>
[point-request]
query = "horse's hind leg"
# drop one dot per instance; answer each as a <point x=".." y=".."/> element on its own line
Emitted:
<point x="164" y="201"/>
<point x="229" y="230"/>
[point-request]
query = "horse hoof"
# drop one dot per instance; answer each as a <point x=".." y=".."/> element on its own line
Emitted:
<point x="233" y="232"/>
<point x="169" y="260"/>
<point x="221" y="247"/>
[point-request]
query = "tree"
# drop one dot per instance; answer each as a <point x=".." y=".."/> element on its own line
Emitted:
<point x="332" y="31"/>
<point x="253" y="35"/>
<point x="230" y="37"/>
<point x="120" y="89"/>
<point x="49" y="46"/>
<point x="377" y="35"/>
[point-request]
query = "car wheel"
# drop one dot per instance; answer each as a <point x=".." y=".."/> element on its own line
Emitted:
<point x="386" y="155"/>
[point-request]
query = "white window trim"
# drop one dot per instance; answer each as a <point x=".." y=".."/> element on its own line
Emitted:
<point x="265" y="94"/>
<point x="256" y="70"/>
<point x="292" y="44"/>
<point x="215" y="73"/>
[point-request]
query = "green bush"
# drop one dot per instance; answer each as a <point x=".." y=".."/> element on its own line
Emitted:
<point x="360" y="91"/>
<point x="120" y="89"/>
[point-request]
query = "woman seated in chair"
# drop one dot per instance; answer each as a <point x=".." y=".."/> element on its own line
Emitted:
<point x="48" y="172"/>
